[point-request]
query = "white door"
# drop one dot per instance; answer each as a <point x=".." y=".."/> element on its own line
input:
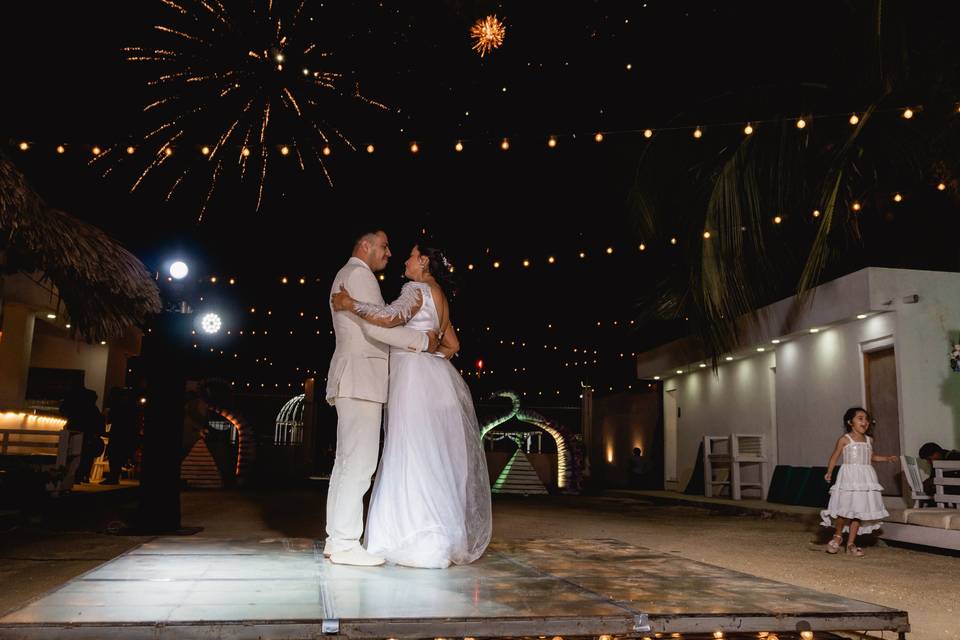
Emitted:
<point x="670" y="435"/>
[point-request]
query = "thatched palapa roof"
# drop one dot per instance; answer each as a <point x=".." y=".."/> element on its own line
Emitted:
<point x="104" y="287"/>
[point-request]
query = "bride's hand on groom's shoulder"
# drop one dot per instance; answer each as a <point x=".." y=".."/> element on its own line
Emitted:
<point x="341" y="300"/>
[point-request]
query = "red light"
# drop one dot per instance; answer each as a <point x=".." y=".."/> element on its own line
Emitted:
<point x="479" y="364"/>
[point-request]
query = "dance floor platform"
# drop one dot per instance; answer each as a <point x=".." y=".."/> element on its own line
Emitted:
<point x="206" y="588"/>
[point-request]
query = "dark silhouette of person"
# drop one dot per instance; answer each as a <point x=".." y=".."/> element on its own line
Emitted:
<point x="931" y="451"/>
<point x="82" y="414"/>
<point x="638" y="469"/>
<point x="124" y="416"/>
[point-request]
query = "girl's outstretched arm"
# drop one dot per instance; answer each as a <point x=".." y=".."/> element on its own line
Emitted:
<point x="841" y="443"/>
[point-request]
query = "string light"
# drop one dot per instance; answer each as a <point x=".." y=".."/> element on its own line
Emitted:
<point x="777" y="219"/>
<point x="458" y="147"/>
<point x="327" y="150"/>
<point x="706" y="235"/>
<point x="816" y="213"/>
<point x="897" y="197"/>
<point x="60" y="148"/>
<point x="370" y="148"/>
<point x="598" y="137"/>
<point x="284" y="150"/>
<point x="648" y="133"/>
<point x="941" y="187"/>
<point x="131" y="150"/>
<point x="504" y="144"/>
<point x="551" y="259"/>
<point x="907" y="113"/>
<point x="801" y="123"/>
<point x="697" y="133"/>
<point x="414" y="147"/>
<point x="205" y="150"/>
<point x="748" y="129"/>
<point x="854" y="119"/>
<point x="642" y="247"/>
<point x="24" y="146"/>
<point x="552" y="142"/>
<point x="95" y="151"/>
<point x="856" y="206"/>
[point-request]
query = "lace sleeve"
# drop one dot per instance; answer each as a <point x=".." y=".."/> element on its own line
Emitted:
<point x="397" y="312"/>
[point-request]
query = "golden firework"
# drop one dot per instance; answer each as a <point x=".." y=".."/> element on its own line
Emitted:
<point x="488" y="34"/>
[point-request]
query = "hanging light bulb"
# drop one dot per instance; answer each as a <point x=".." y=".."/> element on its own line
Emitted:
<point x="747" y="130"/>
<point x="854" y="119"/>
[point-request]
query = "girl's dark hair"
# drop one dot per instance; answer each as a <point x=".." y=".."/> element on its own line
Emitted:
<point x="850" y="413"/>
<point x="439" y="267"/>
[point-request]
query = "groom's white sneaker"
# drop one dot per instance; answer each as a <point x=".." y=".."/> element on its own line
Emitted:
<point x="357" y="556"/>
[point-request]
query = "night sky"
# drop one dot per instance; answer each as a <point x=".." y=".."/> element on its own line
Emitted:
<point x="567" y="70"/>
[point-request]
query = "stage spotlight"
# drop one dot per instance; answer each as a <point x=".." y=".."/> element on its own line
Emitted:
<point x="210" y="323"/>
<point x="179" y="269"/>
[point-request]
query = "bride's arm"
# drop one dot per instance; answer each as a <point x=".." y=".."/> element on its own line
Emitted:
<point x="449" y="343"/>
<point x="394" y="314"/>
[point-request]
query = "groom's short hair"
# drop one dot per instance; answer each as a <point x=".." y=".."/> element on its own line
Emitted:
<point x="365" y="233"/>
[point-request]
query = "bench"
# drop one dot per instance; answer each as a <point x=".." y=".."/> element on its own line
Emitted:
<point x="931" y="526"/>
<point x="42" y="441"/>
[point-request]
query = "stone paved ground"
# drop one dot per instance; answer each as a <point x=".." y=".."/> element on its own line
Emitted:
<point x="35" y="558"/>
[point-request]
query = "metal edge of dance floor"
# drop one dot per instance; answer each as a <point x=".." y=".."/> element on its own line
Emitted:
<point x="283" y="589"/>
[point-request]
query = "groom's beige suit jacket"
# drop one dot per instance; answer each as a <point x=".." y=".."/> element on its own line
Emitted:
<point x="360" y="363"/>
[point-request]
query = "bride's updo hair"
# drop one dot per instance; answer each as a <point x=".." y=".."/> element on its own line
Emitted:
<point x="439" y="267"/>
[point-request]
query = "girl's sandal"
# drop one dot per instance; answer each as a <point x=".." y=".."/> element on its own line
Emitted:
<point x="853" y="549"/>
<point x="834" y="545"/>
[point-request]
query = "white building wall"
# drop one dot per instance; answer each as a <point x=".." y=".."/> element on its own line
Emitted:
<point x="736" y="399"/>
<point x="819" y="376"/>
<point x="929" y="390"/>
<point x="64" y="353"/>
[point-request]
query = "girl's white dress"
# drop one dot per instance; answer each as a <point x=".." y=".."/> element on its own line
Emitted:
<point x="857" y="493"/>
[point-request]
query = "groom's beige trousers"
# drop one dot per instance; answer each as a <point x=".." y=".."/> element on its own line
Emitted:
<point x="358" y="443"/>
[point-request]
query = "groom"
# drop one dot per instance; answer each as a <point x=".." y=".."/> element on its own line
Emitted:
<point x="357" y="388"/>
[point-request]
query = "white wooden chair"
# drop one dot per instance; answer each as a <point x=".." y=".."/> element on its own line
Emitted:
<point x="940" y="481"/>
<point x="716" y="453"/>
<point x="740" y="449"/>
<point x="911" y="471"/>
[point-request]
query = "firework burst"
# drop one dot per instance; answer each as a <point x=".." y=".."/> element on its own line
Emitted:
<point x="488" y="34"/>
<point x="246" y="83"/>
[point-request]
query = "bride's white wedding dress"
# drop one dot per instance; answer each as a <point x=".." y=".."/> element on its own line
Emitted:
<point x="430" y="505"/>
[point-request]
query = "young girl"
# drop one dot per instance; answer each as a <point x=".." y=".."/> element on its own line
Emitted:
<point x="855" y="500"/>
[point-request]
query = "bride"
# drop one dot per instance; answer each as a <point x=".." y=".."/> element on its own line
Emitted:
<point x="430" y="505"/>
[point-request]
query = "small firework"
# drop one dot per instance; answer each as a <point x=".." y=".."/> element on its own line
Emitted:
<point x="488" y="34"/>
